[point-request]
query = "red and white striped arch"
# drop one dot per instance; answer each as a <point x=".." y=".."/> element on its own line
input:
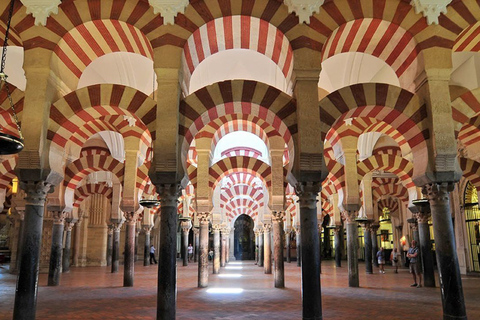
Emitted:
<point x="91" y="40"/>
<point x="237" y="32"/>
<point x="228" y="166"/>
<point x="469" y="39"/>
<point x="388" y="186"/>
<point x="6" y="116"/>
<point x="396" y="165"/>
<point x="239" y="190"/>
<point x="241" y="210"/>
<point x="471" y="171"/>
<point x="240" y="202"/>
<point x="382" y="39"/>
<point x="86" y="190"/>
<point x="6" y="179"/>
<point x="390" y="150"/>
<point x="466" y="113"/>
<point x="390" y="203"/>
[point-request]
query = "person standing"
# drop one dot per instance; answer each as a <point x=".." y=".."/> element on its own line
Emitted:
<point x="415" y="265"/>
<point x="152" y="254"/>
<point x="381" y="260"/>
<point x="395" y="258"/>
<point x="190" y="252"/>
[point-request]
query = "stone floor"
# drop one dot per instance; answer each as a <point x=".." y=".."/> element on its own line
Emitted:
<point x="241" y="291"/>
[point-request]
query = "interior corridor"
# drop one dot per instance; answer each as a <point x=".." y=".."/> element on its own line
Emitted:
<point x="240" y="291"/>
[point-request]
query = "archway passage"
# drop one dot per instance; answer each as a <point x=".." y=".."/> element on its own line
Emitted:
<point x="244" y="238"/>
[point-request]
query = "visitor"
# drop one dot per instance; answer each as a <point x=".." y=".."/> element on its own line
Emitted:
<point x="190" y="252"/>
<point x="381" y="260"/>
<point x="152" y="254"/>
<point x="395" y="258"/>
<point x="415" y="265"/>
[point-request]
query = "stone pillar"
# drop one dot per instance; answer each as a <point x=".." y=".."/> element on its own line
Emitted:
<point x="352" y="247"/>
<point x="137" y="233"/>
<point x="311" y="287"/>
<point x="116" y="246"/>
<point x="129" y="257"/>
<point x="320" y="244"/>
<point x="288" y="232"/>
<point x="338" y="244"/>
<point x="299" y="245"/>
<point x="27" y="280"/>
<point x="326" y="239"/>
<point x="196" y="236"/>
<point x="224" y="241"/>
<point x="426" y="249"/>
<point x="68" y="246"/>
<point x="109" y="244"/>
<point x="367" y="237"/>
<point x="76" y="243"/>
<point x="203" y="250"/>
<point x="267" y="248"/>
<point x="279" y="273"/>
<point x="230" y="245"/>
<point x="146" y="248"/>
<point x="373" y="230"/>
<point x="260" y="247"/>
<point x="17" y="221"/>
<point x="167" y="260"/>
<point x="257" y="246"/>
<point x="186" y="225"/>
<point x="449" y="272"/>
<point x="216" y="248"/>
<point x="55" y="268"/>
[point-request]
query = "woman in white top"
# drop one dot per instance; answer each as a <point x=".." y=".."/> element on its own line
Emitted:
<point x="395" y="257"/>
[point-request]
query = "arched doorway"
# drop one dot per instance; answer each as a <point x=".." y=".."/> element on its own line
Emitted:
<point x="244" y="238"/>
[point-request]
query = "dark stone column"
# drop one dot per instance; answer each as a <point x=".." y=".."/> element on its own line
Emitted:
<point x="352" y="247"/>
<point x="288" y="232"/>
<point x="338" y="245"/>
<point x="216" y="248"/>
<point x="426" y="249"/>
<point x="129" y="257"/>
<point x="257" y="246"/>
<point x="146" y="247"/>
<point x="68" y="247"/>
<point x="203" y="250"/>
<point x="27" y="280"/>
<point x="327" y="248"/>
<point x="450" y="281"/>
<point x="299" y="245"/>
<point x="260" y="247"/>
<point x="55" y="266"/>
<point x="267" y="248"/>
<point x="167" y="260"/>
<point x="311" y="286"/>
<point x="137" y="232"/>
<point x="279" y="273"/>
<point x="320" y="251"/>
<point x="367" y="237"/>
<point x="224" y="240"/>
<point x="109" y="244"/>
<point x="374" y="229"/>
<point x="186" y="225"/>
<point x="227" y="256"/>
<point x="116" y="246"/>
<point x="196" y="236"/>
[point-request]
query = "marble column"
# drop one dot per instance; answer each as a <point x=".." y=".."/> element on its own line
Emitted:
<point x="203" y="250"/>
<point x="224" y="241"/>
<point x="320" y="244"/>
<point x="27" y="280"/>
<point x="449" y="272"/>
<point x="135" y="246"/>
<point x="327" y="248"/>
<point x="146" y="248"/>
<point x="216" y="248"/>
<point x="167" y="258"/>
<point x="55" y="267"/>
<point x="288" y="233"/>
<point x="338" y="244"/>
<point x="267" y="248"/>
<point x="367" y="238"/>
<point x="426" y="249"/>
<point x="299" y="245"/>
<point x="230" y="244"/>
<point x="17" y="220"/>
<point x="116" y="245"/>
<point x="109" y="244"/>
<point x="257" y="253"/>
<point x="311" y="286"/>
<point x="279" y="273"/>
<point x="186" y="225"/>
<point x="129" y="256"/>
<point x="373" y="230"/>
<point x="68" y="247"/>
<point x="352" y="248"/>
<point x="260" y="247"/>
<point x="196" y="236"/>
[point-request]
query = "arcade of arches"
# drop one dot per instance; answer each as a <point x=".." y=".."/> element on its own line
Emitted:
<point x="264" y="135"/>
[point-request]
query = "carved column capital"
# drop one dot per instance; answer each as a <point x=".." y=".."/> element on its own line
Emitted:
<point x="58" y="217"/>
<point x="147" y="229"/>
<point x="422" y="217"/>
<point x="196" y="230"/>
<point x="278" y="216"/>
<point x="117" y="226"/>
<point x="338" y="229"/>
<point x="267" y="227"/>
<point x="186" y="225"/>
<point x="350" y="216"/>
<point x="307" y="193"/>
<point x="203" y="217"/>
<point x="35" y="192"/>
<point x="216" y="227"/>
<point x="169" y="194"/>
<point x="69" y="226"/>
<point x="131" y="217"/>
<point x="110" y="229"/>
<point x="438" y="191"/>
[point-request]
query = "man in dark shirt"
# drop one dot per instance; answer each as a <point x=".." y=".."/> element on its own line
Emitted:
<point x="415" y="264"/>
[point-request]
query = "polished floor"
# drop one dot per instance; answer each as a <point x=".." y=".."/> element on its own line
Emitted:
<point x="240" y="291"/>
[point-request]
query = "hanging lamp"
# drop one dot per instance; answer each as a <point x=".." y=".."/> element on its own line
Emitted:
<point x="149" y="203"/>
<point x="9" y="143"/>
